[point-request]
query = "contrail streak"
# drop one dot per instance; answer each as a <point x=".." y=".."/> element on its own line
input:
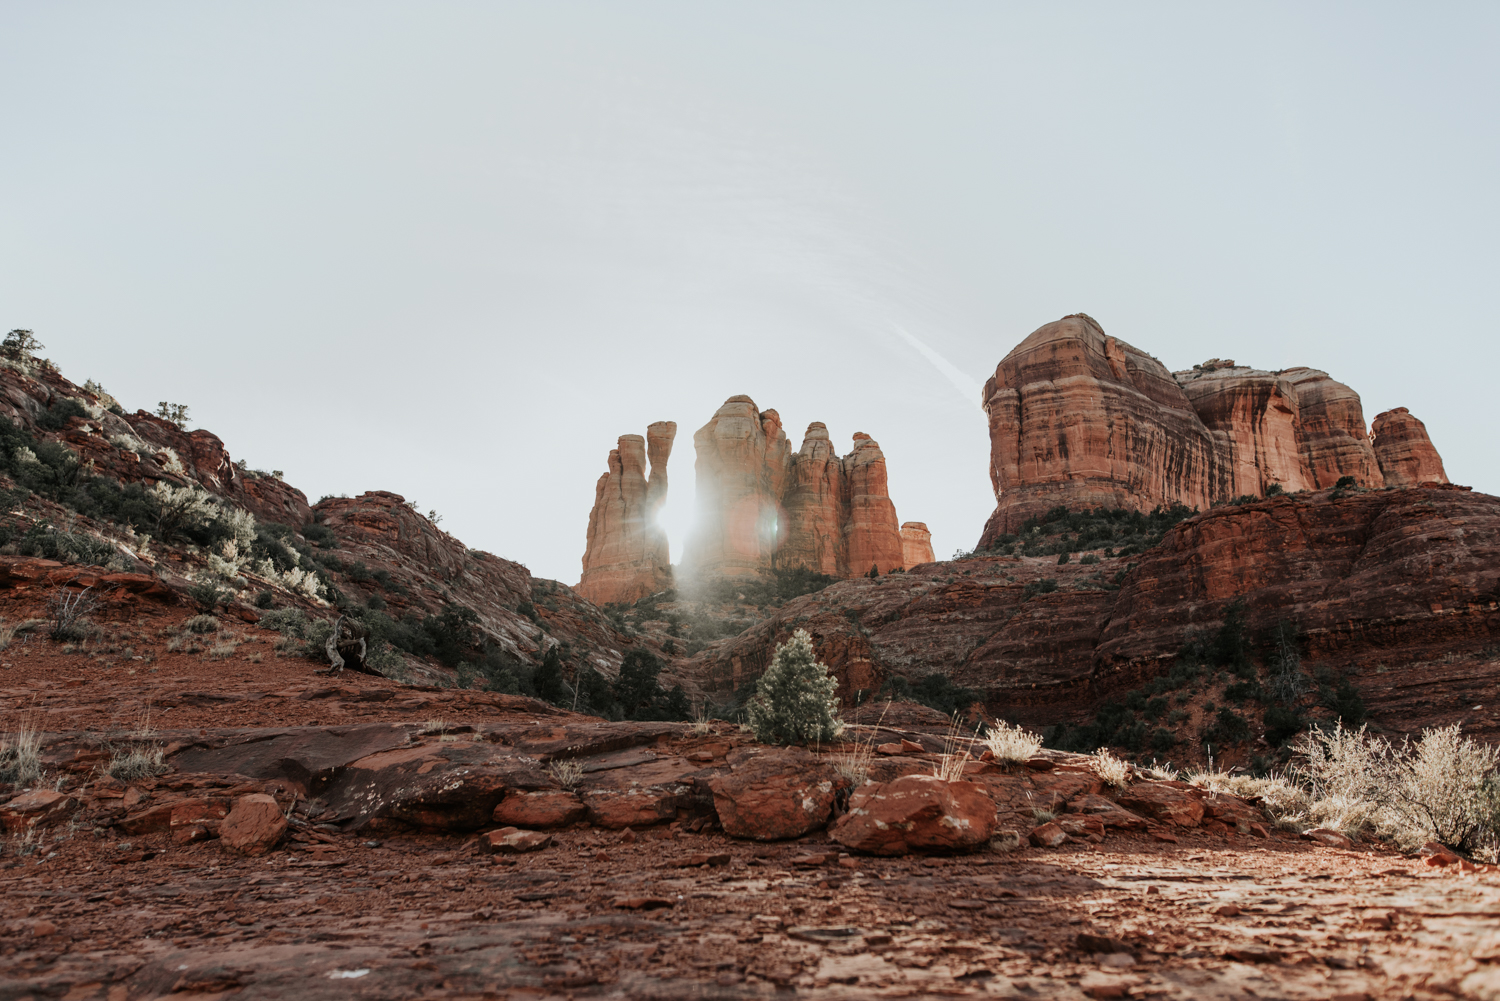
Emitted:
<point x="967" y="387"/>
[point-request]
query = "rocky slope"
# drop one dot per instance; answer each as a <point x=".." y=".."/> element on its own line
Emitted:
<point x="1382" y="582"/>
<point x="144" y="498"/>
<point x="1081" y="419"/>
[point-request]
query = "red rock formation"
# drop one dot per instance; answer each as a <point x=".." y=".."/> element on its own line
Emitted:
<point x="872" y="535"/>
<point x="1378" y="576"/>
<point x="916" y="544"/>
<point x="1253" y="417"/>
<point x="760" y="505"/>
<point x="1404" y="451"/>
<point x="1331" y="431"/>
<point x="1081" y="419"/>
<point x="741" y="472"/>
<point x="627" y="557"/>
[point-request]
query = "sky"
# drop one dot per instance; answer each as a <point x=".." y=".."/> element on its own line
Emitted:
<point x="455" y="250"/>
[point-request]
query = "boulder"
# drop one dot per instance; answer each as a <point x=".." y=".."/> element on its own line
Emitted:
<point x="621" y="808"/>
<point x="37" y="808"/>
<point x="1109" y="813"/>
<point x="1049" y="835"/>
<point x="916" y="813"/>
<point x="1164" y="803"/>
<point x="511" y="841"/>
<point x="541" y="809"/>
<point x="771" y="794"/>
<point x="253" y="826"/>
<point x="1331" y="838"/>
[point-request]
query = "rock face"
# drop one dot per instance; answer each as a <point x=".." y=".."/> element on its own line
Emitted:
<point x="916" y="544"/>
<point x="760" y="505"/>
<point x="1405" y="453"/>
<point x="627" y="556"/>
<point x="1399" y="576"/>
<point x="1081" y="419"/>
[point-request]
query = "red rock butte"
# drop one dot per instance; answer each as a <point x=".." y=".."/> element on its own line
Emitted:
<point x="1081" y="419"/>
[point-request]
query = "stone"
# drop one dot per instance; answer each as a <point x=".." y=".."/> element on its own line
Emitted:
<point x="1434" y="853"/>
<point x="911" y="746"/>
<point x="253" y="826"/>
<point x="1227" y="911"/>
<point x="1163" y="802"/>
<point x="510" y="841"/>
<point x="1081" y="825"/>
<point x="196" y="819"/>
<point x="544" y="808"/>
<point x="916" y="544"/>
<point x="627" y="555"/>
<point x="760" y="504"/>
<point x="774" y="795"/>
<point x="1331" y="431"/>
<point x="157" y="817"/>
<point x="1103" y="985"/>
<point x="892" y="748"/>
<point x="1405" y="453"/>
<point x="618" y="809"/>
<point x="37" y="808"/>
<point x="1049" y="835"/>
<point x="916" y="813"/>
<point x="1324" y="836"/>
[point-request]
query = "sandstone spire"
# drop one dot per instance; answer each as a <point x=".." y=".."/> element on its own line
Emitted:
<point x="760" y="505"/>
<point x="627" y="557"/>
<point x="1404" y="451"/>
<point x="916" y="544"/>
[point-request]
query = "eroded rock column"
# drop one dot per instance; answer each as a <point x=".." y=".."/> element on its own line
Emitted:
<point x="628" y="557"/>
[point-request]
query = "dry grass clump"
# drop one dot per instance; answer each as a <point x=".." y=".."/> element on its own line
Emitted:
<point x="137" y="762"/>
<point x="225" y="648"/>
<point x="1111" y="769"/>
<point x="1443" y="787"/>
<point x="201" y="624"/>
<point x="701" y="726"/>
<point x="950" y="764"/>
<point x="1011" y="743"/>
<point x="568" y="772"/>
<point x="21" y="756"/>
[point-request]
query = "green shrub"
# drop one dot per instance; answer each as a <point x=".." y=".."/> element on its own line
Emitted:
<point x="1036" y="587"/>
<point x="1229" y="727"/>
<point x="55" y="417"/>
<point x="209" y="595"/>
<point x="794" y="701"/>
<point x="1282" y="724"/>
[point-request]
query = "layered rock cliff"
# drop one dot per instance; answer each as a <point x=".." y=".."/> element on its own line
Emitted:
<point x="1405" y="453"/>
<point x="628" y="556"/>
<point x="760" y="505"/>
<point x="916" y="544"/>
<point x="1081" y="419"/>
<point x="1388" y="578"/>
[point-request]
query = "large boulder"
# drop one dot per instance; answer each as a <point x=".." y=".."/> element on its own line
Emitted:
<point x="544" y="808"/>
<point x="771" y="794"/>
<point x="1169" y="803"/>
<point x="37" y="808"/>
<point x="920" y="813"/>
<point x="253" y="826"/>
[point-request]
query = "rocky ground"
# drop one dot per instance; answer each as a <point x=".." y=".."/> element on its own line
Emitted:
<point x="375" y="874"/>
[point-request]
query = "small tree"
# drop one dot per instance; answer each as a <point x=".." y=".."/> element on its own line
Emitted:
<point x="794" y="701"/>
<point x="19" y="345"/>
<point x="173" y="412"/>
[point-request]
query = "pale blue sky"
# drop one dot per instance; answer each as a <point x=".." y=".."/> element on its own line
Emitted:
<point x="455" y="250"/>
